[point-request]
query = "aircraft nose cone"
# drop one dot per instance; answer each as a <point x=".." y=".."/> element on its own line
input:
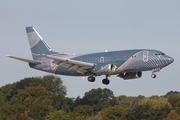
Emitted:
<point x="171" y="59"/>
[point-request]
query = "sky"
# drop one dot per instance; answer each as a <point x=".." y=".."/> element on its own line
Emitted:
<point x="89" y="26"/>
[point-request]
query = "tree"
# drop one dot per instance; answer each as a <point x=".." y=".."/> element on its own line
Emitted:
<point x="39" y="111"/>
<point x="172" y="94"/>
<point x="174" y="99"/>
<point x="9" y="111"/>
<point x="36" y="99"/>
<point x="32" y="95"/>
<point x="172" y="116"/>
<point x="57" y="115"/>
<point x="98" y="99"/>
<point x="20" y="116"/>
<point x="94" y="118"/>
<point x="50" y="83"/>
<point x="69" y="103"/>
<point x="81" y="112"/>
<point x="128" y="102"/>
<point x="114" y="113"/>
<point x="39" y="95"/>
<point x="155" y="108"/>
<point x="7" y="91"/>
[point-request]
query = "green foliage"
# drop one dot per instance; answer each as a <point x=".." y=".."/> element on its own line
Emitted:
<point x="172" y="94"/>
<point x="155" y="108"/>
<point x="69" y="104"/>
<point x="94" y="118"/>
<point x="39" y="111"/>
<point x="174" y="100"/>
<point x="7" y="91"/>
<point x="128" y="102"/>
<point x="173" y="116"/>
<point x="57" y="115"/>
<point x="98" y="99"/>
<point x="114" y="113"/>
<point x="32" y="95"/>
<point x="50" y="83"/>
<point x="40" y="98"/>
<point x="81" y="112"/>
<point x="37" y="99"/>
<point x="20" y="116"/>
<point x="7" y="111"/>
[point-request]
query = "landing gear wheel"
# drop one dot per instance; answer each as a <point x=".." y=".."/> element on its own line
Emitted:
<point x="91" y="79"/>
<point x="153" y="75"/>
<point x="105" y="81"/>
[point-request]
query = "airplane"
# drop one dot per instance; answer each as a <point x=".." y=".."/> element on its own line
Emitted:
<point x="126" y="64"/>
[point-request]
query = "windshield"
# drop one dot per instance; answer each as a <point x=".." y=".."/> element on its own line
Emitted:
<point x="159" y="53"/>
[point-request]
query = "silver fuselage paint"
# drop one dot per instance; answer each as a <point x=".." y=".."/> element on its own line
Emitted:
<point x="125" y="61"/>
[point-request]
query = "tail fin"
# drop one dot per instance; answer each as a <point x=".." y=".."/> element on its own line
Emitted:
<point x="36" y="42"/>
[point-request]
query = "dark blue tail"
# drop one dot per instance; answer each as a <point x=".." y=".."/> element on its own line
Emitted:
<point x="37" y="44"/>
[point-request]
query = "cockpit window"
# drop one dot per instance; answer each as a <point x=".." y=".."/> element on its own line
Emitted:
<point x="160" y="53"/>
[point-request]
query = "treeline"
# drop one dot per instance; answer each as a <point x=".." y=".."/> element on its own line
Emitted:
<point x="44" y="98"/>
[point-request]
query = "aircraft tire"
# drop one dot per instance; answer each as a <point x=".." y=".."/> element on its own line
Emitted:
<point x="91" y="79"/>
<point x="153" y="75"/>
<point x="105" y="81"/>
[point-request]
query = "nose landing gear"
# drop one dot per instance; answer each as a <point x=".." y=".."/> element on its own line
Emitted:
<point x="153" y="75"/>
<point x="155" y="70"/>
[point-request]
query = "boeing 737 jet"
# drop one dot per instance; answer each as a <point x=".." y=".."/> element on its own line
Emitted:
<point x="126" y="64"/>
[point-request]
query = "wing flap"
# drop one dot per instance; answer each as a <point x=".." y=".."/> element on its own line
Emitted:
<point x="79" y="66"/>
<point x="24" y="59"/>
<point x="67" y="60"/>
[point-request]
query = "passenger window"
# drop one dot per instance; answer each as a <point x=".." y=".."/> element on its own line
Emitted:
<point x="156" y="53"/>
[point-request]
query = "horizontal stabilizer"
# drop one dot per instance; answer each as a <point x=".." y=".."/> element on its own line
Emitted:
<point x="25" y="60"/>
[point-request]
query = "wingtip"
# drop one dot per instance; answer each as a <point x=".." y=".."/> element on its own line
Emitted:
<point x="7" y="55"/>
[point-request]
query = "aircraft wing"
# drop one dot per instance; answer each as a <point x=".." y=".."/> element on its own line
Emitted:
<point x="24" y="59"/>
<point x="79" y="66"/>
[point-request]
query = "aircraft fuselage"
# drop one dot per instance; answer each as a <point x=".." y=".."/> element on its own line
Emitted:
<point x="124" y="61"/>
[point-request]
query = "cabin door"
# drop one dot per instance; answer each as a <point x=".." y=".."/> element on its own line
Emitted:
<point x="101" y="59"/>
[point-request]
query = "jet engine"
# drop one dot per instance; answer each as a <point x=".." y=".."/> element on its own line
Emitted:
<point x="130" y="75"/>
<point x="103" y="70"/>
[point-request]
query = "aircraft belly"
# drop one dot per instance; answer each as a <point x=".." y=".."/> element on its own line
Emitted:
<point x="65" y="71"/>
<point x="44" y="66"/>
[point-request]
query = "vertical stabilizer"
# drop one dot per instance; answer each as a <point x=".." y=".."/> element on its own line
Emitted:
<point x="36" y="42"/>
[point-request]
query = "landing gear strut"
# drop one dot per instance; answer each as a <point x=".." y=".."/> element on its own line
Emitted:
<point x="91" y="78"/>
<point x="155" y="70"/>
<point x="106" y="81"/>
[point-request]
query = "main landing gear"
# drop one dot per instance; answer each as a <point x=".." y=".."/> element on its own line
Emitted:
<point x="104" y="81"/>
<point x="91" y="78"/>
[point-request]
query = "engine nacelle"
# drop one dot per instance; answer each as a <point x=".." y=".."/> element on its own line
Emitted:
<point x="106" y="69"/>
<point x="130" y="75"/>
